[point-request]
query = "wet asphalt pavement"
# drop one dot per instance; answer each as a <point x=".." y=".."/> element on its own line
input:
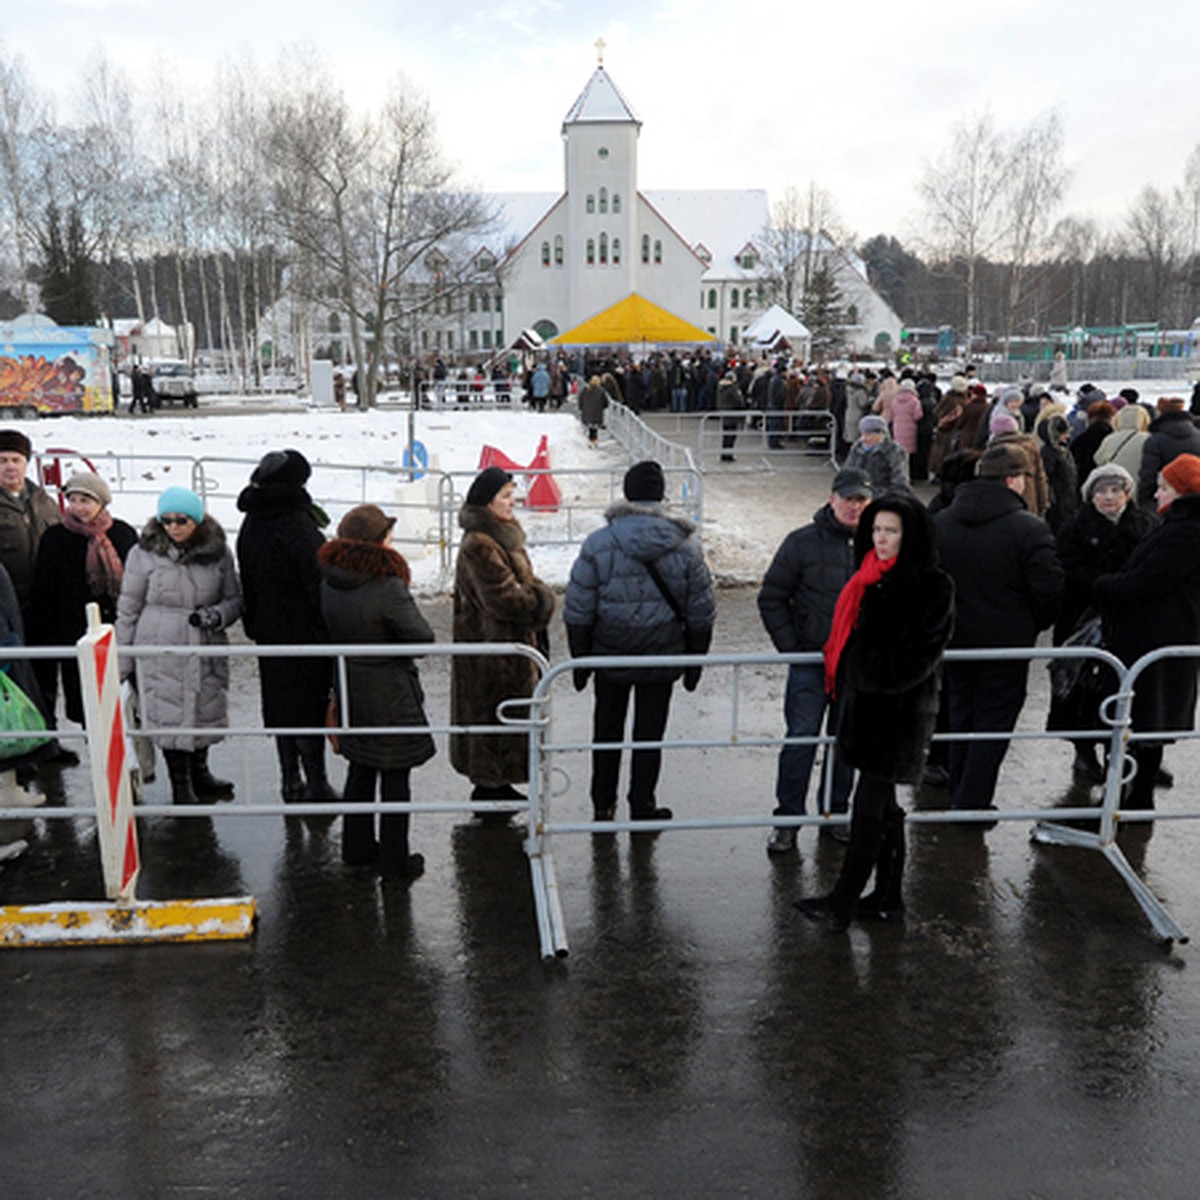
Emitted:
<point x="1022" y="1034"/>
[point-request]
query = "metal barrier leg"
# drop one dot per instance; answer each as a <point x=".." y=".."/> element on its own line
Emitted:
<point x="1050" y="834"/>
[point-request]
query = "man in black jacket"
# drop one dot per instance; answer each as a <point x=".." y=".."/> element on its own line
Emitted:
<point x="1008" y="585"/>
<point x="796" y="604"/>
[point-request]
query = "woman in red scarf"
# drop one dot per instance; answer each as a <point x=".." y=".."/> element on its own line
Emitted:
<point x="891" y="625"/>
<point x="79" y="561"/>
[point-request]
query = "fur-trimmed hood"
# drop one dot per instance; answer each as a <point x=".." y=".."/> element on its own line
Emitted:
<point x="206" y="545"/>
<point x="474" y="519"/>
<point x="647" y="531"/>
<point x="347" y="563"/>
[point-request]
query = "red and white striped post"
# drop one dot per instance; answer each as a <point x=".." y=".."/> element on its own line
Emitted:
<point x="101" y="686"/>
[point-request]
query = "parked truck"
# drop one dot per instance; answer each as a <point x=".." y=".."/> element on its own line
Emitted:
<point x="47" y="368"/>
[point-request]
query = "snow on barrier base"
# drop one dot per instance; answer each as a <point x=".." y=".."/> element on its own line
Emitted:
<point x="101" y="924"/>
<point x="121" y="919"/>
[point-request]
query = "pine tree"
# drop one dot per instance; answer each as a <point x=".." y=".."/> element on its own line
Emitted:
<point x="821" y="310"/>
<point x="65" y="276"/>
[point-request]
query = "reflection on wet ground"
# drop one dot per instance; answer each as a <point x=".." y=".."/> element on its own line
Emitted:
<point x="1021" y="1034"/>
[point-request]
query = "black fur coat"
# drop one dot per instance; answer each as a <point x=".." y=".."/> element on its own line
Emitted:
<point x="890" y="670"/>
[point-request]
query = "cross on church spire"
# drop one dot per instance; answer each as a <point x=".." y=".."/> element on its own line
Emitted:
<point x="600" y="44"/>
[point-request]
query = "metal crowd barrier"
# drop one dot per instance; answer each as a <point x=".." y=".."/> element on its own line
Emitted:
<point x="467" y="393"/>
<point x="1049" y="827"/>
<point x="806" y="435"/>
<point x="534" y="718"/>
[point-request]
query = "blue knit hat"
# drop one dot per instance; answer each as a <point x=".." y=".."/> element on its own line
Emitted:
<point x="181" y="500"/>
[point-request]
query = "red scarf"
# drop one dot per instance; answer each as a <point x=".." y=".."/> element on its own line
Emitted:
<point x="845" y="615"/>
<point x="103" y="563"/>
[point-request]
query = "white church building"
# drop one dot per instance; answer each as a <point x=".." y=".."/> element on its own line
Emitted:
<point x="558" y="260"/>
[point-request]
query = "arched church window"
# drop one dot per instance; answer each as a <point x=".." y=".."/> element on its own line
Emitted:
<point x="591" y="252"/>
<point x="603" y="249"/>
<point x="545" y="254"/>
<point x="645" y="247"/>
<point x="734" y="297"/>
<point x="712" y="297"/>
<point x="558" y="250"/>
<point x="616" y="252"/>
<point x="591" y="204"/>
<point x="616" y="202"/>
<point x="657" y="252"/>
<point x="604" y="200"/>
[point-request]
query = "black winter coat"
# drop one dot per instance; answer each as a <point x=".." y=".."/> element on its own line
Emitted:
<point x="800" y="589"/>
<point x="1172" y="434"/>
<point x="365" y="599"/>
<point x="277" y="550"/>
<point x="889" y="671"/>
<point x="1154" y="602"/>
<point x="1007" y="578"/>
<point x="889" y="677"/>
<point x="61" y="593"/>
<point x="1090" y="545"/>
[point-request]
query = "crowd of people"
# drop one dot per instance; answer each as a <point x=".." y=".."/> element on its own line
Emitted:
<point x="1039" y="519"/>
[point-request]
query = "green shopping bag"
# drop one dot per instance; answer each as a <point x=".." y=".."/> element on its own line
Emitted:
<point x="19" y="714"/>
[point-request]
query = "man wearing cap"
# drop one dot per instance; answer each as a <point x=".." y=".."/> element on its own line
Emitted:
<point x="26" y="512"/>
<point x="796" y="603"/>
<point x="1008" y="584"/>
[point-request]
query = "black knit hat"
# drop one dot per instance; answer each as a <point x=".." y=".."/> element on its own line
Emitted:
<point x="282" y="466"/>
<point x="486" y="486"/>
<point x="645" y="482"/>
<point x="366" y="523"/>
<point x="13" y="441"/>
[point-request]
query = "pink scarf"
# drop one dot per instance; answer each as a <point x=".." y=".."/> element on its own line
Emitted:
<point x="103" y="564"/>
<point x="845" y="615"/>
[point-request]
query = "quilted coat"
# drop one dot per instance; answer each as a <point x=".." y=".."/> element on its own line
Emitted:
<point x="497" y="598"/>
<point x="365" y="599"/>
<point x="613" y="605"/>
<point x="164" y="584"/>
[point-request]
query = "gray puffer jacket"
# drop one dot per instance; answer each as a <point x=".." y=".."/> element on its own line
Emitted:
<point x="163" y="585"/>
<point x="613" y="605"/>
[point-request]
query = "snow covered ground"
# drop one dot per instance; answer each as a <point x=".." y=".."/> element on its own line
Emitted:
<point x="358" y="456"/>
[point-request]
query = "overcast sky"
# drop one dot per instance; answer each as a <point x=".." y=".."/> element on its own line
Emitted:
<point x="856" y="95"/>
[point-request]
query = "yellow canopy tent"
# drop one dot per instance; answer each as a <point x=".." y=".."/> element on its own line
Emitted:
<point x="633" y="319"/>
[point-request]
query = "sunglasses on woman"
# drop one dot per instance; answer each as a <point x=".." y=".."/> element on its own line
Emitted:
<point x="169" y="520"/>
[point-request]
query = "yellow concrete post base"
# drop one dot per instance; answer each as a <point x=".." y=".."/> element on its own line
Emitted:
<point x="109" y="924"/>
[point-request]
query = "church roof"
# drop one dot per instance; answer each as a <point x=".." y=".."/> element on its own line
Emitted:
<point x="722" y="220"/>
<point x="600" y="101"/>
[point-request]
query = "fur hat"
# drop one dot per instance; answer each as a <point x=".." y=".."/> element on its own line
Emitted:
<point x="872" y="424"/>
<point x="999" y="462"/>
<point x="282" y="466"/>
<point x="1109" y="472"/>
<point x="1183" y="474"/>
<point x="486" y="486"/>
<point x="1165" y="404"/>
<point x="645" y="482"/>
<point x="365" y="523"/>
<point x="13" y="441"/>
<point x="181" y="500"/>
<point x="89" y="484"/>
<point x="959" y="384"/>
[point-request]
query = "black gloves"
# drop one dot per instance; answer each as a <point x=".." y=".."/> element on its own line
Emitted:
<point x="581" y="678"/>
<point x="691" y="678"/>
<point x="206" y="618"/>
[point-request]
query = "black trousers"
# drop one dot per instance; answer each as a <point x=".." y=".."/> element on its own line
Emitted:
<point x="651" y="706"/>
<point x="876" y="844"/>
<point x="360" y="847"/>
<point x="981" y="697"/>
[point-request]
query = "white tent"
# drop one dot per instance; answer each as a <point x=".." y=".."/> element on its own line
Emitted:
<point x="776" y="325"/>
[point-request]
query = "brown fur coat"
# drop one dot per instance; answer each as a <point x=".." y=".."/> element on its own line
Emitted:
<point x="497" y="598"/>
